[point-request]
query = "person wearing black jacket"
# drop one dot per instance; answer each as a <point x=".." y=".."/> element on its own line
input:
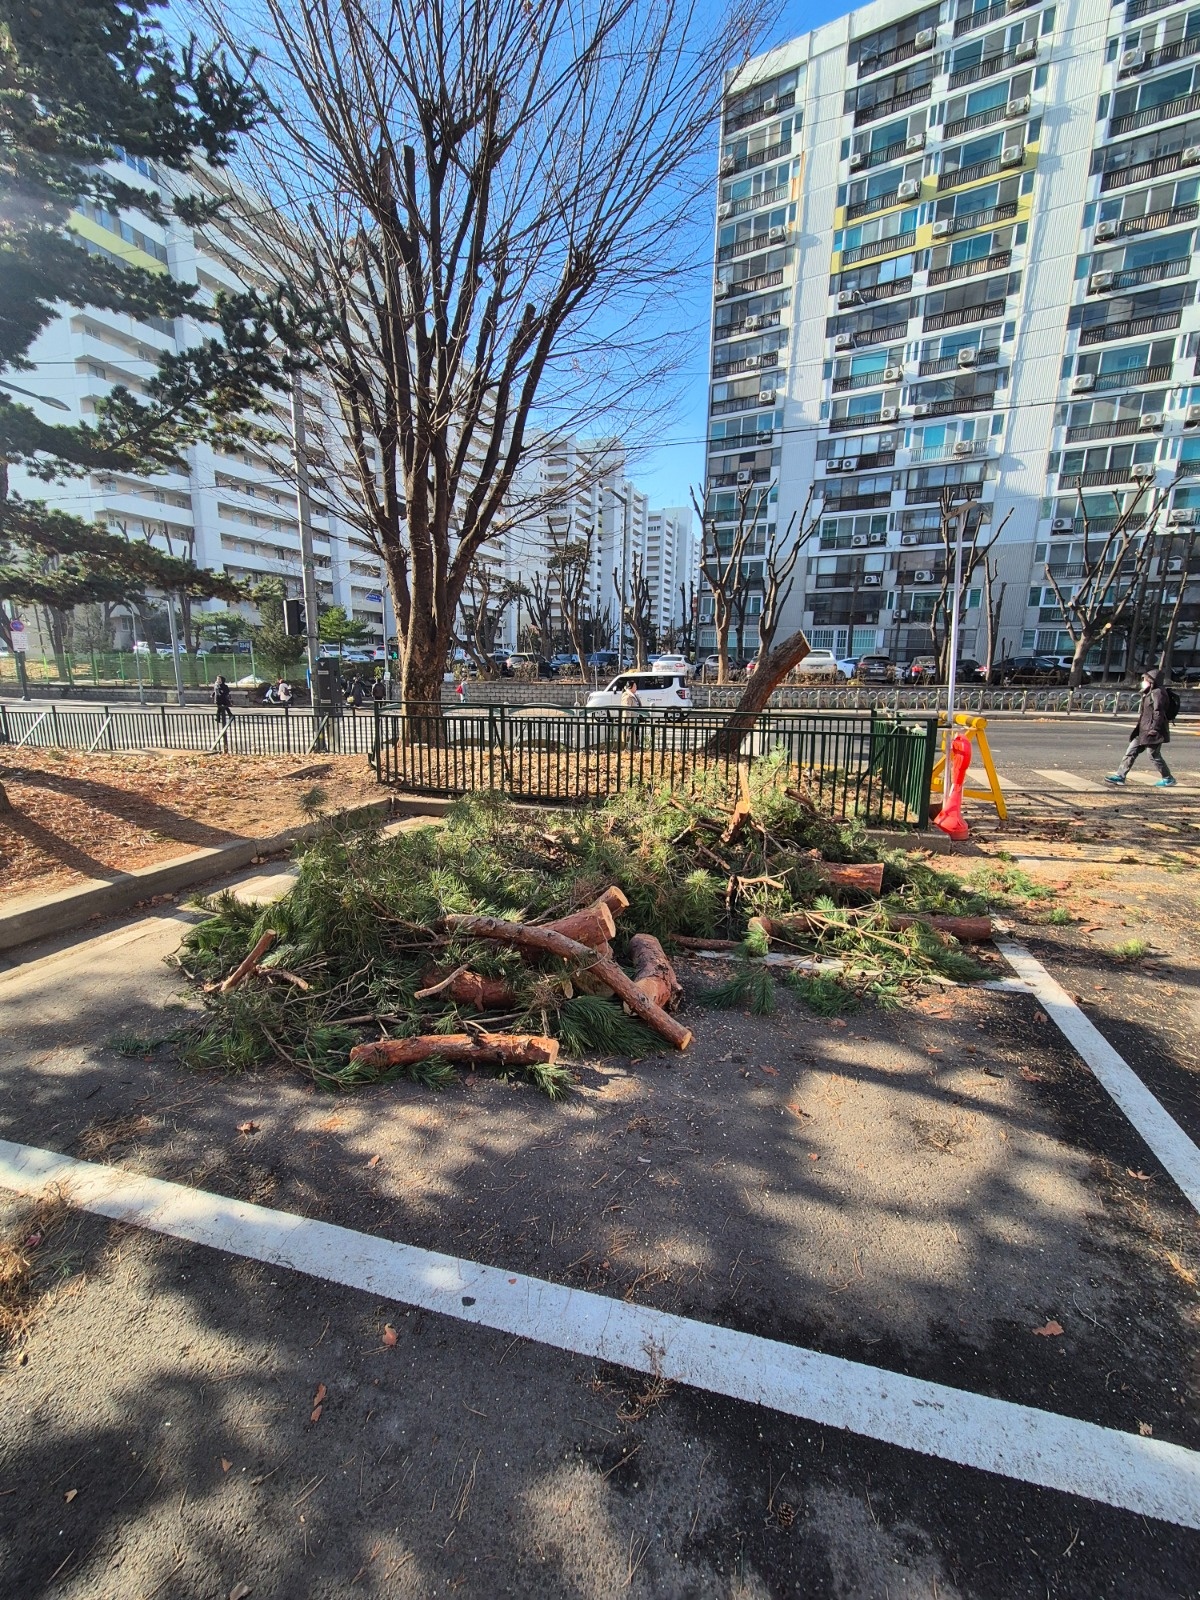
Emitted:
<point x="223" y="700"/>
<point x="1152" y="732"/>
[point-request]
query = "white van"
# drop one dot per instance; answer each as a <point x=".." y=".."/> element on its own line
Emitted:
<point x="659" y="688"/>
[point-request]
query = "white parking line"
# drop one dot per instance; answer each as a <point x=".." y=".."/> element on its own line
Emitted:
<point x="1179" y="1156"/>
<point x="1149" y="1476"/>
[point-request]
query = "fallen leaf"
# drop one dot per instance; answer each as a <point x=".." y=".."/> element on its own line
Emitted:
<point x="1145" y="1429"/>
<point x="836" y="1022"/>
<point x="316" y="1416"/>
<point x="1040" y="1016"/>
<point x="933" y="1051"/>
<point x="318" y="1400"/>
<point x="374" y="1161"/>
<point x="247" y="1127"/>
<point x="1051" y="1330"/>
<point x="225" y="1465"/>
<point x="70" y="1495"/>
<point x="813" y="1157"/>
<point x="798" y="1111"/>
<point x="772" y="1072"/>
<point x="389" y="1335"/>
<point x="1142" y="1177"/>
<point x="240" y="1591"/>
<point x="1031" y="1077"/>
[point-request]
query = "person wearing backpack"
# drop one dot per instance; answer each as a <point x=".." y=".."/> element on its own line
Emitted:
<point x="1159" y="708"/>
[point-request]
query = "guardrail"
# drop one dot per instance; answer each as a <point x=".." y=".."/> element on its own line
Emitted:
<point x="245" y="733"/>
<point x="874" y="768"/>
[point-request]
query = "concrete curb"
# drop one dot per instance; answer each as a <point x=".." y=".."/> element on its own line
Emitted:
<point x="42" y="916"/>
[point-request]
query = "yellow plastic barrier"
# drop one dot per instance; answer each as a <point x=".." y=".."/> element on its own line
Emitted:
<point x="976" y="730"/>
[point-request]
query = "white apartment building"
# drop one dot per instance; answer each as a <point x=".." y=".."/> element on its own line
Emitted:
<point x="954" y="255"/>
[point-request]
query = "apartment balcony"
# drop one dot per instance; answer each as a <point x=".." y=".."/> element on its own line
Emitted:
<point x="1157" y="219"/>
<point x="1050" y="614"/>
<point x="1101" y="478"/>
<point x="877" y="202"/>
<point x="1165" y="54"/>
<point x="881" y="157"/>
<point x="959" y="405"/>
<point x="893" y="57"/>
<point x="764" y="363"/>
<point x="756" y="202"/>
<point x="862" y="380"/>
<point x="1117" y="429"/>
<point x="951" y="452"/>
<point x="747" y="247"/>
<point x="1187" y="469"/>
<point x="908" y="578"/>
<point x="1133" y="378"/>
<point x="757" y="158"/>
<point x="887" y="108"/>
<point x="1183" y="107"/>
<point x="746" y="402"/>
<point x="1158" y="167"/>
<point x="896" y="242"/>
<point x="745" y="119"/>
<point x="963" y="317"/>
<point x="978" y="170"/>
<point x="741" y="286"/>
<point x="733" y="480"/>
<point x="988" y="67"/>
<point x="852" y="502"/>
<point x="990" y="14"/>
<point x="884" y="291"/>
<point x="969" y="269"/>
<point x="1142" y="8"/>
<point x="1067" y="571"/>
<point x="869" y="336"/>
<point x="1154" y="273"/>
<point x="985" y="217"/>
<point x="932" y="493"/>
<point x="732" y="330"/>
<point x="1131" y="327"/>
<point x="842" y="424"/>
<point x="976" y="122"/>
<point x="985" y="358"/>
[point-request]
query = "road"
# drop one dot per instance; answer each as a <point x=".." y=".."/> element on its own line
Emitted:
<point x="1074" y="754"/>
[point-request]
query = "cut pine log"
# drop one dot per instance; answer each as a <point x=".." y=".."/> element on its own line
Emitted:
<point x="241" y="973"/>
<point x="484" y="1050"/>
<point x="967" y="930"/>
<point x="653" y="974"/>
<point x="686" y="941"/>
<point x="547" y="941"/>
<point x="593" y="925"/>
<point x="469" y="988"/>
<point x="865" y="876"/>
<point x="742" y="811"/>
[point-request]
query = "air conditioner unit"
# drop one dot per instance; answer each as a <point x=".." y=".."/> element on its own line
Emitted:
<point x="1026" y="50"/>
<point x="1143" y="472"/>
<point x="925" y="38"/>
<point x="727" y="165"/>
<point x="964" y="447"/>
<point x="1182" y="517"/>
<point x="768" y="106"/>
<point x="1150" y="422"/>
<point x="1175" y="564"/>
<point x="744" y="477"/>
<point x="967" y="357"/>
<point x="909" y="189"/>
<point x="751" y="323"/>
<point x="1013" y="155"/>
<point x="1131" y="61"/>
<point x="923" y="576"/>
<point x="1018" y="107"/>
<point x="858" y="160"/>
<point x="914" y="142"/>
<point x="858" y="538"/>
<point x="766" y="397"/>
<point x="887" y="414"/>
<point x="720" y="289"/>
<point x="1082" y="382"/>
<point x="847" y="297"/>
<point x="724" y="211"/>
<point x="872" y="580"/>
<point x="1101" y="282"/>
<point x="777" y="236"/>
<point x="920" y="409"/>
<point x="835" y="464"/>
<point x="910" y="538"/>
<point x="1062" y="525"/>
<point x="850" y="464"/>
<point x="902" y="615"/>
<point x="877" y="538"/>
<point x="1106" y="230"/>
<point x="843" y="341"/>
<point x="893" y="374"/>
<point x="1190" y="156"/>
<point x="942" y="228"/>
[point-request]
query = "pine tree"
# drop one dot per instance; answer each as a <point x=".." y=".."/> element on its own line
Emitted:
<point x="81" y="83"/>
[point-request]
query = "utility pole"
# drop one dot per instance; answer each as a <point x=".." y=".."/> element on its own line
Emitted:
<point x="304" y="512"/>
<point x="179" y="694"/>
<point x="960" y="518"/>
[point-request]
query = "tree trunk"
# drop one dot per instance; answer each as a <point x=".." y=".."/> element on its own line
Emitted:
<point x="763" y="682"/>
<point x="968" y="930"/>
<point x="487" y="1049"/>
<point x="1082" y="645"/>
<point x="653" y="974"/>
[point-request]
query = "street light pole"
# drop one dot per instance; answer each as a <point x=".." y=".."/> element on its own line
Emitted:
<point x="308" y="563"/>
<point x="179" y="694"/>
<point x="952" y="668"/>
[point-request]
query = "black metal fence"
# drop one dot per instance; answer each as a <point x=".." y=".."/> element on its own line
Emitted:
<point x="866" y="766"/>
<point x="246" y="733"/>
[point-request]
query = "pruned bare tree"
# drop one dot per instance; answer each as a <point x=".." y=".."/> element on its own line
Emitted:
<point x="688" y="608"/>
<point x="1185" y="570"/>
<point x="488" y="202"/>
<point x="635" y="610"/>
<point x="779" y="574"/>
<point x="1100" y="599"/>
<point x="571" y="569"/>
<point x="952" y="513"/>
<point x="486" y="597"/>
<point x="993" y="604"/>
<point x="723" y="553"/>
<point x="539" y="596"/>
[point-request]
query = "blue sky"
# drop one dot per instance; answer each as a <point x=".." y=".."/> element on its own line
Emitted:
<point x="667" y="472"/>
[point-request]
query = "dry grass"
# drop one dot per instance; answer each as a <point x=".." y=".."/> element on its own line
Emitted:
<point x="106" y="1134"/>
<point x="33" y="1256"/>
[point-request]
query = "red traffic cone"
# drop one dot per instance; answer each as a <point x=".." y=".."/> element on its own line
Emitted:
<point x="950" y="818"/>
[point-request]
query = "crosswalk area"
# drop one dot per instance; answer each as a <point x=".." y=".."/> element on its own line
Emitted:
<point x="1040" y="779"/>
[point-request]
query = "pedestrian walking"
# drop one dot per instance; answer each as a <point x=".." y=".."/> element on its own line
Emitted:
<point x="223" y="700"/>
<point x="631" y="704"/>
<point x="379" y="688"/>
<point x="1159" y="708"/>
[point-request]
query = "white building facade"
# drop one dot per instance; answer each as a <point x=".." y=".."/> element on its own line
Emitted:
<point x="954" y="256"/>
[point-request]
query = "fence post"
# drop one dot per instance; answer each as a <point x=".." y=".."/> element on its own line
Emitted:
<point x="163" y="713"/>
<point x="376" y="757"/>
<point x="4" y="733"/>
<point x="54" y="722"/>
<point x="1024" y="701"/>
<point x="930" y="755"/>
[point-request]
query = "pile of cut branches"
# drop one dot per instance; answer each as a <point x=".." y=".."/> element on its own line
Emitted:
<point x="500" y="940"/>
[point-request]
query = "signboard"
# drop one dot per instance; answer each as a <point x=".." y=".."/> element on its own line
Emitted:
<point x="20" y="640"/>
<point x="375" y="597"/>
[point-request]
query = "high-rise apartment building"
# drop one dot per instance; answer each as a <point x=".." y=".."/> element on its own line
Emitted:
<point x="954" y="258"/>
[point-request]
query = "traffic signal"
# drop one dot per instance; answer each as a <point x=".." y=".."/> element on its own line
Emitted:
<point x="293" y="616"/>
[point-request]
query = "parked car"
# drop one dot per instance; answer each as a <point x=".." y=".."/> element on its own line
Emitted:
<point x="1066" y="662"/>
<point x="658" y="689"/>
<point x="661" y="663"/>
<point x="818" y="666"/>
<point x="1031" y="669"/>
<point x="847" y="666"/>
<point x="564" y="661"/>
<point x="602" y="661"/>
<point x="874" y="669"/>
<point x="923" y="670"/>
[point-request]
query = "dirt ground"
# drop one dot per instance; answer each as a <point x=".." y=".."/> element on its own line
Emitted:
<point x="78" y="817"/>
<point x="921" y="1189"/>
